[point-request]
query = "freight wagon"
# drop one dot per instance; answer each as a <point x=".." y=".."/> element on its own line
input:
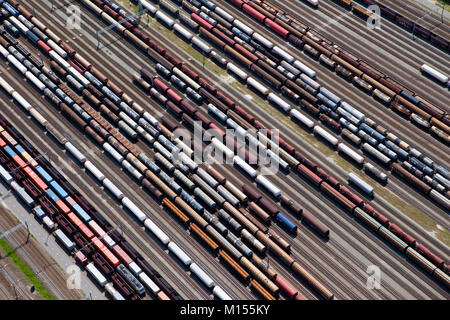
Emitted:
<point x="435" y="74"/>
<point x="352" y="178"/>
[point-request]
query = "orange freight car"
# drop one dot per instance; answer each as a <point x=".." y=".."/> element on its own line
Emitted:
<point x="233" y="264"/>
<point x="175" y="210"/>
<point x="214" y="246"/>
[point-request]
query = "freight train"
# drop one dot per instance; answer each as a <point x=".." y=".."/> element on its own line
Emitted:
<point x="82" y="160"/>
<point x="253" y="120"/>
<point x="231" y="105"/>
<point x="384" y="88"/>
<point x="397" y="18"/>
<point x="53" y="198"/>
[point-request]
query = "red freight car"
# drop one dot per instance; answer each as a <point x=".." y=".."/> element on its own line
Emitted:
<point x="203" y="23"/>
<point x="277" y="28"/>
<point x="122" y="255"/>
<point x="44" y="47"/>
<point x="316" y="180"/>
<point x="254" y="13"/>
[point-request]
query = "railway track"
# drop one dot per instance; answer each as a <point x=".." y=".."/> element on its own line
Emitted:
<point x="150" y="208"/>
<point x="137" y="236"/>
<point x="117" y="69"/>
<point x="46" y="270"/>
<point x="386" y="51"/>
<point x="425" y="143"/>
<point x="414" y="12"/>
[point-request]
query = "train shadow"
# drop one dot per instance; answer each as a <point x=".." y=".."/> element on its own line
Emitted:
<point x="341" y="5"/>
<point x="311" y="55"/>
<point x="376" y="180"/>
<point x="426" y="75"/>
<point x="235" y="77"/>
<point x="290" y="234"/>
<point x="375" y="160"/>
<point x="420" y="127"/>
<point x="350" y="160"/>
<point x="181" y="37"/>
<point x="256" y="92"/>
<point x="301" y="124"/>
<point x="74" y="160"/>
<point x="62" y="246"/>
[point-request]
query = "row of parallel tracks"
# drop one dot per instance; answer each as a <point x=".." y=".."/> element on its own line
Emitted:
<point x="389" y="49"/>
<point x="340" y="263"/>
<point x="45" y="269"/>
<point x="413" y="12"/>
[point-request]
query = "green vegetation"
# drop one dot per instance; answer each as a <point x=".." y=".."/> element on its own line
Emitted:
<point x="25" y="270"/>
<point x="411" y="211"/>
<point x="438" y="3"/>
<point x="415" y="214"/>
<point x="170" y="35"/>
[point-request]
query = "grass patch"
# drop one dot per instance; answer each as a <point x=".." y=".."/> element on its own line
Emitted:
<point x="415" y="214"/>
<point x="172" y="37"/>
<point x="436" y="11"/>
<point x="26" y="271"/>
<point x="411" y="211"/>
